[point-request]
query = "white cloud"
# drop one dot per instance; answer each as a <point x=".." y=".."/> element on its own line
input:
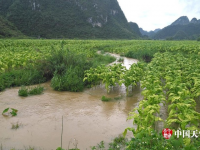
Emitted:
<point x="158" y="13"/>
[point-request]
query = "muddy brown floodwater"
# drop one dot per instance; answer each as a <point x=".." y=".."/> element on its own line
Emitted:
<point x="85" y="117"/>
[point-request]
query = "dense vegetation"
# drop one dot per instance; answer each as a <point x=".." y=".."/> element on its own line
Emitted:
<point x="135" y="28"/>
<point x="7" y="29"/>
<point x="26" y="62"/>
<point x="67" y="19"/>
<point x="179" y="32"/>
<point x="170" y="79"/>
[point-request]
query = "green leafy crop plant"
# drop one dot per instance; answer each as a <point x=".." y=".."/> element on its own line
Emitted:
<point x="172" y="79"/>
<point x="110" y="75"/>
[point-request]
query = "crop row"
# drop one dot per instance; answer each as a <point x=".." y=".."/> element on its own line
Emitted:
<point x="19" y="53"/>
<point x="171" y="80"/>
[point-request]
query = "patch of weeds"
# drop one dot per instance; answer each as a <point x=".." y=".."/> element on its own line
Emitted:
<point x="16" y="125"/>
<point x="103" y="98"/>
<point x="118" y="143"/>
<point x="36" y="90"/>
<point x="20" y="77"/>
<point x="99" y="146"/>
<point x="121" y="59"/>
<point x="13" y="112"/>
<point x="71" y="80"/>
<point x="24" y="91"/>
<point x="102" y="60"/>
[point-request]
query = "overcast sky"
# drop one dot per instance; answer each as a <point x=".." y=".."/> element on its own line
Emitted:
<point x="153" y="14"/>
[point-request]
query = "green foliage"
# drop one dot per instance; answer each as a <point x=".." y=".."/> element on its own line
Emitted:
<point x="61" y="59"/>
<point x="67" y="19"/>
<point x="198" y="39"/>
<point x="121" y="59"/>
<point x="104" y="98"/>
<point x="176" y="84"/>
<point x="68" y="69"/>
<point x="109" y="75"/>
<point x="25" y="148"/>
<point x="135" y="28"/>
<point x="154" y="140"/>
<point x="179" y="32"/>
<point x="72" y="80"/>
<point x="99" y="146"/>
<point x="36" y="90"/>
<point x="13" y="111"/>
<point x="115" y="74"/>
<point x="20" y="77"/>
<point x="59" y="148"/>
<point x="24" y="91"/>
<point x="102" y="60"/>
<point x="118" y="143"/>
<point x="16" y="125"/>
<point x="8" y="30"/>
<point x="143" y="55"/>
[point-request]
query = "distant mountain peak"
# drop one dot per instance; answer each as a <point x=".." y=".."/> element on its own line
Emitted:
<point x="183" y="20"/>
<point x="150" y="33"/>
<point x="194" y="20"/>
<point x="181" y="29"/>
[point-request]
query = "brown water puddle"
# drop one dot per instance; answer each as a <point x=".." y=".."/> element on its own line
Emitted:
<point x="127" y="61"/>
<point x="86" y="117"/>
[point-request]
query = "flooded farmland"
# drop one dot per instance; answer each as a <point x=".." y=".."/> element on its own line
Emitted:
<point x="86" y="118"/>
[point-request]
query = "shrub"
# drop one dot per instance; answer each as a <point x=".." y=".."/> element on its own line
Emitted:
<point x="60" y="60"/>
<point x="72" y="80"/>
<point x="103" y="98"/>
<point x="23" y="91"/>
<point x="36" y="90"/>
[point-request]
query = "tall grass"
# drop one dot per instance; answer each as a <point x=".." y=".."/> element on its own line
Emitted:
<point x="20" y="77"/>
<point x="25" y="91"/>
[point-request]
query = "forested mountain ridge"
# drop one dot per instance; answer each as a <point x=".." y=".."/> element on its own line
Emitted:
<point x="150" y="34"/>
<point x="7" y="29"/>
<point x="181" y="29"/>
<point x="67" y="18"/>
<point x="135" y="28"/>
